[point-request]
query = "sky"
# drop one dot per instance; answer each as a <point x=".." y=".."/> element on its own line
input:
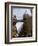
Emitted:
<point x="20" y="11"/>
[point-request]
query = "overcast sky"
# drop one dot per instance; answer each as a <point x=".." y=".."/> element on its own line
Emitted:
<point x="20" y="11"/>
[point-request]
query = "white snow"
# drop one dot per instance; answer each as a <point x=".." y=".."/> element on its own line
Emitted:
<point x="19" y="26"/>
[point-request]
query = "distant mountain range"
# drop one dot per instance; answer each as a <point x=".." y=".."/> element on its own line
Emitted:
<point x="20" y="20"/>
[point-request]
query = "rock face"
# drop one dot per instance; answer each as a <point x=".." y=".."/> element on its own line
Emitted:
<point x="27" y="26"/>
<point x="14" y="31"/>
<point x="13" y="28"/>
